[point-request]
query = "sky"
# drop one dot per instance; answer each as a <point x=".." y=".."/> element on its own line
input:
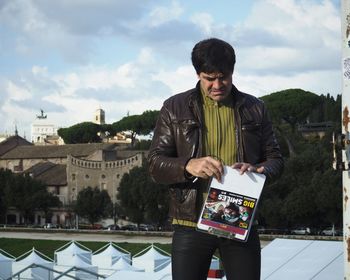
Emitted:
<point x="71" y="57"/>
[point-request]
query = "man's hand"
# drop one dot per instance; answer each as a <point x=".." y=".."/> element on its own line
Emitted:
<point x="243" y="167"/>
<point x="205" y="167"/>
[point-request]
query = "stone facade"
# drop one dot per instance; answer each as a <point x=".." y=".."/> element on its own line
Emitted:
<point x="105" y="175"/>
<point x="68" y="169"/>
<point x="41" y="129"/>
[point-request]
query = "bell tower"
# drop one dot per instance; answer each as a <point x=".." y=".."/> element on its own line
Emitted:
<point x="99" y="117"/>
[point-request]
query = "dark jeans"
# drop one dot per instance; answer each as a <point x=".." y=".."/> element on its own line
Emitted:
<point x="192" y="253"/>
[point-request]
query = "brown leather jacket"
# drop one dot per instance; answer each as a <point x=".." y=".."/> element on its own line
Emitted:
<point x="178" y="138"/>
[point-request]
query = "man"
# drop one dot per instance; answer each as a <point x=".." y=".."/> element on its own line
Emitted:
<point x="197" y="132"/>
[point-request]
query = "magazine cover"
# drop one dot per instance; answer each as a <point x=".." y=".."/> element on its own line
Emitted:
<point x="229" y="208"/>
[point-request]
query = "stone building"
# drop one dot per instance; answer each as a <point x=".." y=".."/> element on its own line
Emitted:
<point x="67" y="169"/>
<point x="315" y="130"/>
<point x="99" y="117"/>
<point x="42" y="129"/>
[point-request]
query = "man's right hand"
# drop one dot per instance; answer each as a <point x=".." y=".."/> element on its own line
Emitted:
<point x="205" y="167"/>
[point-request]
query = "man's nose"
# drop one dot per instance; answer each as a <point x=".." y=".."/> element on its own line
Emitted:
<point x="217" y="83"/>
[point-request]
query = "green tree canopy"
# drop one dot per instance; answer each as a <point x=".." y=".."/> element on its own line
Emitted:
<point x="309" y="191"/>
<point x="85" y="132"/>
<point x="292" y="106"/>
<point x="142" y="199"/>
<point x="25" y="194"/>
<point x="93" y="204"/>
<point x="138" y="124"/>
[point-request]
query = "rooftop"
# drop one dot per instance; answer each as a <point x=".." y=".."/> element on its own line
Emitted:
<point x="44" y="152"/>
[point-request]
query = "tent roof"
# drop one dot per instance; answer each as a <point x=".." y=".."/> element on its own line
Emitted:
<point x="122" y="264"/>
<point x="302" y="259"/>
<point x="33" y="257"/>
<point x="111" y="251"/>
<point x="73" y="248"/>
<point x="151" y="254"/>
<point x="5" y="258"/>
<point x="132" y="275"/>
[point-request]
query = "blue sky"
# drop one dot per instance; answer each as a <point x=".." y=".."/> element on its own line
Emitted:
<point x="70" y="57"/>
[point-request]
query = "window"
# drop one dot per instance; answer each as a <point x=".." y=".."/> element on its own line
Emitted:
<point x="103" y="176"/>
<point x="87" y="176"/>
<point x="73" y="177"/>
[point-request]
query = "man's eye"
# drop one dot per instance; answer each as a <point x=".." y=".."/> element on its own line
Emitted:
<point x="210" y="79"/>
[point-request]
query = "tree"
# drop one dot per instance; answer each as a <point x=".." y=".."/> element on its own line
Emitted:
<point x="45" y="201"/>
<point x="138" y="124"/>
<point x="85" y="132"/>
<point x="93" y="204"/>
<point x="25" y="194"/>
<point x="309" y="192"/>
<point x="292" y="106"/>
<point x="142" y="199"/>
<point x="5" y="177"/>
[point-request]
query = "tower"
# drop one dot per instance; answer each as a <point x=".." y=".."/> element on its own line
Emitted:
<point x="99" y="117"/>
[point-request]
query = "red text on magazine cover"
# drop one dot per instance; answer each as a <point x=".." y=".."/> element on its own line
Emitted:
<point x="228" y="211"/>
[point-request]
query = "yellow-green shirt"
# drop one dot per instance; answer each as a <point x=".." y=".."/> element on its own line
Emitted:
<point x="219" y="130"/>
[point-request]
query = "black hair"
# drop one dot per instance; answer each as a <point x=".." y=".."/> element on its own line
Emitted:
<point x="213" y="56"/>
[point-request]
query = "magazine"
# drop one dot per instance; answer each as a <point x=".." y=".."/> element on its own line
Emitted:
<point x="230" y="206"/>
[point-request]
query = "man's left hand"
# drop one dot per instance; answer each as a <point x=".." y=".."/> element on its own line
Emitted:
<point x="243" y="167"/>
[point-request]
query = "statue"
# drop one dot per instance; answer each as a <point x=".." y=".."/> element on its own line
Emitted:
<point x="42" y="116"/>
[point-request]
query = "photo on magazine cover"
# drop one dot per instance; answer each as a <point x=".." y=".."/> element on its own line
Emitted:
<point x="227" y="211"/>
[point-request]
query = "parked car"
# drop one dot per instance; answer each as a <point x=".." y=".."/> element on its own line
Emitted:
<point x="331" y="231"/>
<point x="113" y="227"/>
<point x="129" y="227"/>
<point x="144" y="227"/>
<point x="49" y="225"/>
<point x="301" y="231"/>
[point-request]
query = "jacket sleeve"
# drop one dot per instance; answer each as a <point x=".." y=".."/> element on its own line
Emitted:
<point x="165" y="166"/>
<point x="272" y="159"/>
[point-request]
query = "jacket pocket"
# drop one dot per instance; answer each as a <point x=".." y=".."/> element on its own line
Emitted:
<point x="185" y="127"/>
<point x="251" y="127"/>
<point x="187" y="136"/>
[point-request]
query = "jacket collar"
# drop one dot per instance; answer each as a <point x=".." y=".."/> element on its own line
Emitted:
<point x="196" y="96"/>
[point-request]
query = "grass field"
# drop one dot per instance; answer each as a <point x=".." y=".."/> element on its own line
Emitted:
<point x="17" y="247"/>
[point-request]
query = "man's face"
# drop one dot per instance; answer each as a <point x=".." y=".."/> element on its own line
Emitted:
<point x="217" y="86"/>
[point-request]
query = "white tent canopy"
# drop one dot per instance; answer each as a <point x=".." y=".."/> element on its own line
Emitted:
<point x="80" y="265"/>
<point x="289" y="259"/>
<point x="150" y="258"/>
<point x="109" y="254"/>
<point x="122" y="264"/>
<point x="65" y="254"/>
<point x="33" y="257"/>
<point x="6" y="261"/>
<point x="133" y="275"/>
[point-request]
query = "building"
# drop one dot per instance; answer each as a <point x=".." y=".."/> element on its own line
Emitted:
<point x="43" y="129"/>
<point x="67" y="169"/>
<point x="315" y="130"/>
<point x="99" y="117"/>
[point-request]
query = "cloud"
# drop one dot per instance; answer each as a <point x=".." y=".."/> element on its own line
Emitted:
<point x="162" y="14"/>
<point x="298" y="40"/>
<point x="76" y="56"/>
<point x="310" y="81"/>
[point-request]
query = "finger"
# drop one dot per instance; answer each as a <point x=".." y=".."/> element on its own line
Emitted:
<point x="216" y="167"/>
<point x="260" y="169"/>
<point x="244" y="168"/>
<point x="236" y="165"/>
<point x="211" y="170"/>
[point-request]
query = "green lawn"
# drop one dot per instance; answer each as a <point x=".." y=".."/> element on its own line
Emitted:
<point x="17" y="247"/>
